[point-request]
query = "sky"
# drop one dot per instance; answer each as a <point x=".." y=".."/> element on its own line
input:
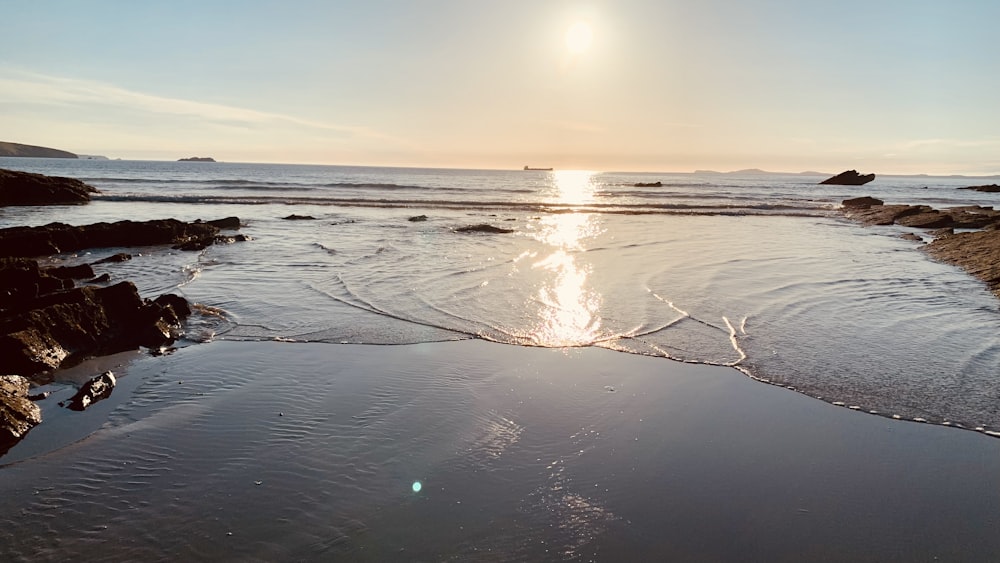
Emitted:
<point x="885" y="86"/>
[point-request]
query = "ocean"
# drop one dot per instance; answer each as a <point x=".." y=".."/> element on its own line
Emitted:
<point x="754" y="271"/>
<point x="588" y="381"/>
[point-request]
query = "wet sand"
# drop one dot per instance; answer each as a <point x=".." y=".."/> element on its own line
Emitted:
<point x="242" y="451"/>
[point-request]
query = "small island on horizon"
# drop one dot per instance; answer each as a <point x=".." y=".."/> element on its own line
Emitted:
<point x="196" y="159"/>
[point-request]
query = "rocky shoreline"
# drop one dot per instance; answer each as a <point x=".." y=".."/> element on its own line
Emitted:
<point x="977" y="250"/>
<point x="48" y="321"/>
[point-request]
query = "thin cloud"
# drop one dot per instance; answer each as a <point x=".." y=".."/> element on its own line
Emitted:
<point x="32" y="88"/>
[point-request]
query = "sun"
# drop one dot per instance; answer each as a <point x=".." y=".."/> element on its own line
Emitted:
<point x="579" y="37"/>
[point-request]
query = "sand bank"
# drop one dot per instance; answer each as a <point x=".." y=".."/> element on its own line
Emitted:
<point x="278" y="451"/>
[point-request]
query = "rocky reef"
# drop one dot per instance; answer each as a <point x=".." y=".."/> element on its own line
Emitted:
<point x="48" y="322"/>
<point x="977" y="250"/>
<point x="849" y="178"/>
<point x="25" y="188"/>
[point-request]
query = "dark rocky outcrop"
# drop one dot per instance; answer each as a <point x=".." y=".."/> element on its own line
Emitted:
<point x="18" y="414"/>
<point x="25" y="188"/>
<point x="417" y="218"/>
<point x="648" y="184"/>
<point x="921" y="216"/>
<point x="97" y="388"/>
<point x="32" y="151"/>
<point x="987" y="188"/>
<point x="56" y="238"/>
<point x="196" y="159"/>
<point x="849" y="178"/>
<point x="294" y="217"/>
<point x="226" y="224"/>
<point x="58" y="329"/>
<point x="977" y="252"/>
<point x="482" y="228"/>
<point x="866" y="201"/>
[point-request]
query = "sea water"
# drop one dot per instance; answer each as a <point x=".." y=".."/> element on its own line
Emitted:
<point x="755" y="271"/>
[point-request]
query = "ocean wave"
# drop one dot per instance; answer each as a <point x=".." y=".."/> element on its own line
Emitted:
<point x="798" y="209"/>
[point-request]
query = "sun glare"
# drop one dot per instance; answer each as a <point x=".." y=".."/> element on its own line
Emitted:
<point x="579" y="37"/>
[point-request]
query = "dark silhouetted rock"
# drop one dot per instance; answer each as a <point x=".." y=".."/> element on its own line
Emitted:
<point x="94" y="390"/>
<point x="648" y="184"/>
<point x="196" y="159"/>
<point x="228" y="223"/>
<point x="866" y="201"/>
<point x="849" y="178"/>
<point x="25" y="188"/>
<point x="103" y="278"/>
<point x="18" y="414"/>
<point x="483" y="228"/>
<point x="56" y="329"/>
<point x="294" y="217"/>
<point x="417" y="218"/>
<point x="114" y="258"/>
<point x="56" y="238"/>
<point x="988" y="188"/>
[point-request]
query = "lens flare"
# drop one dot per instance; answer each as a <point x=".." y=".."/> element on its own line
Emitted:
<point x="417" y="486"/>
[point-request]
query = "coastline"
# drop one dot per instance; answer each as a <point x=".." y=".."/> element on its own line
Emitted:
<point x="308" y="451"/>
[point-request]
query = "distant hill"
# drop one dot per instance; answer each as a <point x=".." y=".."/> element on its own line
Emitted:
<point x="31" y="151"/>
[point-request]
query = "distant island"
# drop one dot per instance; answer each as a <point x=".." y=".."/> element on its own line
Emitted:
<point x="197" y="159"/>
<point x="31" y="151"/>
<point x="542" y="169"/>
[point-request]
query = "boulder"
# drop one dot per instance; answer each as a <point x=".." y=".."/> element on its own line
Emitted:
<point x="849" y="178"/>
<point x="52" y="330"/>
<point x="648" y="184"/>
<point x="986" y="188"/>
<point x="80" y="272"/>
<point x="97" y="388"/>
<point x="228" y="223"/>
<point x="18" y="414"/>
<point x="417" y="218"/>
<point x="294" y="217"/>
<point x="25" y="188"/>
<point x="482" y="228"/>
<point x="866" y="201"/>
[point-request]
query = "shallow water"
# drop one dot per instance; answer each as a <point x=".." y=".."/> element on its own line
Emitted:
<point x="758" y="272"/>
<point x="262" y="451"/>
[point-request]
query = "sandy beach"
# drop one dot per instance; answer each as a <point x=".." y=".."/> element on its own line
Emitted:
<point x="239" y="451"/>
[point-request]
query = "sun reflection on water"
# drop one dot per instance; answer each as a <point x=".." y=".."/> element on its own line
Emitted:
<point x="568" y="307"/>
<point x="573" y="186"/>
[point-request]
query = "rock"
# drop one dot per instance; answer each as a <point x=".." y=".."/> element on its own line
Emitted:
<point x="482" y="228"/>
<point x="94" y="390"/>
<point x="866" y="201"/>
<point x="25" y="188"/>
<point x="228" y="223"/>
<point x="294" y="217"/>
<point x="911" y="236"/>
<point x="648" y="184"/>
<point x="849" y="178"/>
<point x="56" y="238"/>
<point x="59" y="328"/>
<point x="883" y="214"/>
<point x="942" y="232"/>
<point x="103" y="278"/>
<point x="976" y="252"/>
<point x="114" y="258"/>
<point x="988" y="188"/>
<point x="417" y="218"/>
<point x="926" y="219"/>
<point x="196" y="159"/>
<point x="18" y="414"/>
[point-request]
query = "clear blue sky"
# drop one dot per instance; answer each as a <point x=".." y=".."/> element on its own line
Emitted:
<point x="880" y="85"/>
